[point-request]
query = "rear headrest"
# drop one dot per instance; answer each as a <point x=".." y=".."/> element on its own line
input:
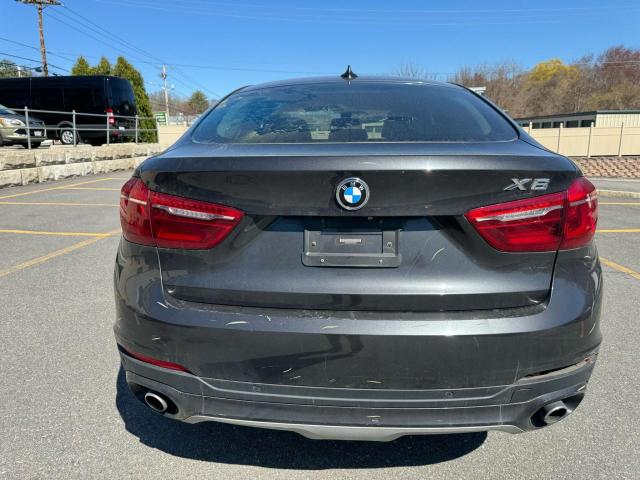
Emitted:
<point x="294" y="137"/>
<point x="348" y="135"/>
<point x="284" y="129"/>
<point x="345" y="121"/>
<point x="398" y="129"/>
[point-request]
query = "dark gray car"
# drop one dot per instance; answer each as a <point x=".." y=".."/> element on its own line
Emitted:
<point x="359" y="258"/>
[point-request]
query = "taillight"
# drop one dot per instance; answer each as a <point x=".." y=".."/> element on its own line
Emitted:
<point x="167" y="221"/>
<point x="581" y="217"/>
<point x="530" y="225"/>
<point x="179" y="222"/>
<point x="557" y="221"/>
<point x="110" y="117"/>
<point x="135" y="218"/>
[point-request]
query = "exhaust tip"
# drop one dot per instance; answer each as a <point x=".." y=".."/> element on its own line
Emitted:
<point x="554" y="412"/>
<point x="156" y="402"/>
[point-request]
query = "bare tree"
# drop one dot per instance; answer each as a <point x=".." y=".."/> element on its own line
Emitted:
<point x="609" y="80"/>
<point x="412" y="70"/>
<point x="409" y="70"/>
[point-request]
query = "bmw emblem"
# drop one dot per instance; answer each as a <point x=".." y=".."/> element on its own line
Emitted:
<point x="352" y="193"/>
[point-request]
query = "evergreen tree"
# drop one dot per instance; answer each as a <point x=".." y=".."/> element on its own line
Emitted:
<point x="124" y="69"/>
<point x="198" y="102"/>
<point x="103" y="67"/>
<point x="81" y="67"/>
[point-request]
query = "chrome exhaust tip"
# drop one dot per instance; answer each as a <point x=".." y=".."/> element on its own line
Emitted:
<point x="156" y="402"/>
<point x="554" y="412"/>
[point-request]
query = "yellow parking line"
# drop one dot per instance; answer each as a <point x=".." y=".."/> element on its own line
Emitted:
<point x="618" y="203"/>
<point x="60" y="234"/>
<point x="59" y="188"/>
<point x="38" y="260"/>
<point x="63" y="204"/>
<point x="95" y="188"/>
<point x="620" y="268"/>
<point x="619" y="230"/>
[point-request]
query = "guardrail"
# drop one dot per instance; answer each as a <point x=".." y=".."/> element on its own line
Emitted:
<point x="108" y="125"/>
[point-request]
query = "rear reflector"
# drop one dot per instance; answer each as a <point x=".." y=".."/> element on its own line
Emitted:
<point x="562" y="220"/>
<point x="167" y="221"/>
<point x="156" y="362"/>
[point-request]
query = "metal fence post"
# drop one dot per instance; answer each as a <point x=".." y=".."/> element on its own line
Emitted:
<point x="157" y="131"/>
<point x="26" y="116"/>
<point x="620" y="143"/>
<point x="75" y="134"/>
<point x="136" y="128"/>
<point x="559" y="136"/>
<point x="107" y="129"/>
<point x="589" y="141"/>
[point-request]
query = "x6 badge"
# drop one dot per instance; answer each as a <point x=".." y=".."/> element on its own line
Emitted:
<point x="522" y="184"/>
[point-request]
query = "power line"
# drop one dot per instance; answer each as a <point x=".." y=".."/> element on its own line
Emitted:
<point x="173" y="64"/>
<point x="315" y="18"/>
<point x="32" y="60"/>
<point x="619" y="63"/>
<point x="111" y="34"/>
<point x="36" y="48"/>
<point x="120" y="50"/>
<point x="99" y="40"/>
<point x="248" y="69"/>
<point x="100" y="30"/>
<point x="40" y="6"/>
<point x="402" y="11"/>
<point x="130" y="45"/>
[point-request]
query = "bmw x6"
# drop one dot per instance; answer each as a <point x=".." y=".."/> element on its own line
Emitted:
<point x="359" y="258"/>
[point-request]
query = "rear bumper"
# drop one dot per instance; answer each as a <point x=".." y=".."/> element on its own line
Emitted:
<point x="360" y="375"/>
<point x="509" y="408"/>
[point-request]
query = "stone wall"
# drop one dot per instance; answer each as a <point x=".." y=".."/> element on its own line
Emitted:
<point x="621" y="167"/>
<point x="21" y="167"/>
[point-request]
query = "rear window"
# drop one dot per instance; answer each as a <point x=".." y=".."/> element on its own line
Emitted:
<point x="356" y="112"/>
<point x="122" y="98"/>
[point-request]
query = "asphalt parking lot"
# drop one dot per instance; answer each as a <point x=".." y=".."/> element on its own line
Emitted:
<point x="66" y="411"/>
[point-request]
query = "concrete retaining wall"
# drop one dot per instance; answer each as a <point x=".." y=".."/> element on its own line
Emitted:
<point x="21" y="167"/>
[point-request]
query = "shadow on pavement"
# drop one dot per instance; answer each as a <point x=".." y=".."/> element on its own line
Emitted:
<point x="217" y="442"/>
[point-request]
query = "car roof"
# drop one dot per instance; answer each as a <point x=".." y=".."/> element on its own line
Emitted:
<point x="327" y="80"/>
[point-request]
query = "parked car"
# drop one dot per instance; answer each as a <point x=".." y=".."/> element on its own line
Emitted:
<point x="287" y="264"/>
<point x="105" y="99"/>
<point x="13" y="129"/>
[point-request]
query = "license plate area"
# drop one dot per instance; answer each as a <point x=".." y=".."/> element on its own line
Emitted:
<point x="326" y="248"/>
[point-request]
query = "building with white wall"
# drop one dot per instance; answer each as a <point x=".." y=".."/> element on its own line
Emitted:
<point x="597" y="118"/>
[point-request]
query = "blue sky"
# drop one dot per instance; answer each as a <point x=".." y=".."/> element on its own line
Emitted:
<point x="221" y="45"/>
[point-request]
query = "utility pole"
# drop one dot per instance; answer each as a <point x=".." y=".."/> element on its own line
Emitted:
<point x="166" y="92"/>
<point x="40" y="5"/>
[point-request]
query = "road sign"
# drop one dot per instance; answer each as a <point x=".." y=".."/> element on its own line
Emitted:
<point x="161" y="117"/>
